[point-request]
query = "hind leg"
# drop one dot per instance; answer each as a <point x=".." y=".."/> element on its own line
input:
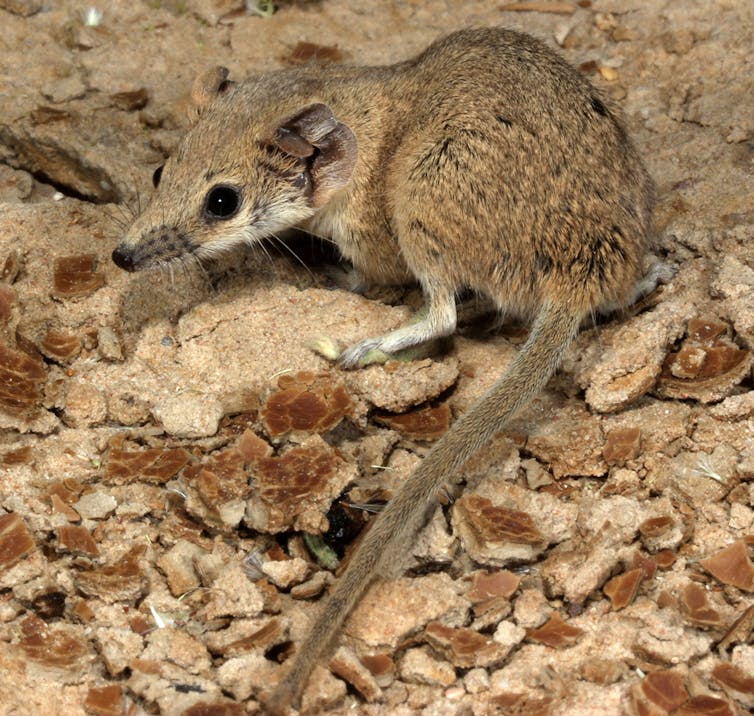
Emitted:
<point x="659" y="274"/>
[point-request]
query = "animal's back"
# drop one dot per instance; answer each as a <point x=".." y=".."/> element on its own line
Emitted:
<point x="511" y="146"/>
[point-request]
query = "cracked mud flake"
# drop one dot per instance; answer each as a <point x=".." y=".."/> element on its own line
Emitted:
<point x="348" y="667"/>
<point x="622" y="589"/>
<point x="462" y="647"/>
<point x="19" y="456"/>
<point x="735" y="682"/>
<point x="59" y="346"/>
<point x="381" y="666"/>
<point x="249" y="635"/>
<point x="490" y="585"/>
<point x="105" y="701"/>
<point x="555" y="632"/>
<point x="57" y="647"/>
<point x="76" y="276"/>
<point x="656" y="526"/>
<point x="122" y="581"/>
<point x="493" y="523"/>
<point x="696" y="607"/>
<point x="153" y="465"/>
<point x="220" y="479"/>
<point x="77" y="540"/>
<point x="665" y="558"/>
<point x="426" y="423"/>
<point x="663" y="689"/>
<point x="15" y="540"/>
<point x="7" y="300"/>
<point x="703" y="705"/>
<point x="291" y="489"/>
<point x="21" y="378"/>
<point x="707" y="366"/>
<point x="306" y="401"/>
<point x="252" y="447"/>
<point x="621" y="446"/>
<point x="732" y="566"/>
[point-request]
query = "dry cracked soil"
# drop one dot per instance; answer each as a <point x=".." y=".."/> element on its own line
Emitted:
<point x="180" y="474"/>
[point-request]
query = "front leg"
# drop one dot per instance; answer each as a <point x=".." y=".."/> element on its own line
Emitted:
<point x="439" y="320"/>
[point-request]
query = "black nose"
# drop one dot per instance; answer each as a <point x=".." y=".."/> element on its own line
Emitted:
<point x="123" y="258"/>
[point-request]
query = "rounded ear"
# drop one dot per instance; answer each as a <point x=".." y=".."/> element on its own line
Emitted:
<point x="208" y="85"/>
<point x="328" y="147"/>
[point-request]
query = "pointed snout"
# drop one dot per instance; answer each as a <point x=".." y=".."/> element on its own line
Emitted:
<point x="123" y="257"/>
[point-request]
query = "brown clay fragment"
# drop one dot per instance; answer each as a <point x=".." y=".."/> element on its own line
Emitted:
<point x="655" y="526"/>
<point x="21" y="378"/>
<point x="622" y="589"/>
<point x="499" y="524"/>
<point x="732" y="566"/>
<point x="621" y="446"/>
<point x="77" y="540"/>
<point x="54" y="647"/>
<point x="703" y="705"/>
<point x="423" y="424"/>
<point x="348" y="667"/>
<point x="697" y="608"/>
<point x="122" y="581"/>
<point x="556" y="632"/>
<point x="464" y="648"/>
<point x="76" y="276"/>
<point x="659" y="689"/>
<point x="491" y="585"/>
<point x="105" y="701"/>
<point x="707" y="366"/>
<point x="7" y="300"/>
<point x="306" y="402"/>
<point x="220" y="479"/>
<point x="60" y="347"/>
<point x="252" y="447"/>
<point x="381" y="666"/>
<point x="19" y="456"/>
<point x="15" y="540"/>
<point x="739" y="632"/>
<point x="154" y="465"/>
<point x="295" y="485"/>
<point x="665" y="558"/>
<point x="736" y="682"/>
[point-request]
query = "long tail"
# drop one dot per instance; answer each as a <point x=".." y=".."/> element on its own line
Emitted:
<point x="408" y="511"/>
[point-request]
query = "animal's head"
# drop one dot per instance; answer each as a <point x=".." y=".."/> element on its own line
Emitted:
<point x="244" y="171"/>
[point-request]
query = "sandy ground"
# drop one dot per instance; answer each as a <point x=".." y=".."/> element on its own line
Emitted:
<point x="166" y="440"/>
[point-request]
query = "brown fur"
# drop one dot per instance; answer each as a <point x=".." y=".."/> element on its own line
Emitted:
<point x="486" y="162"/>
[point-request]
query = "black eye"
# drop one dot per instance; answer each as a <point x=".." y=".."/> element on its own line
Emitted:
<point x="157" y="176"/>
<point x="222" y="202"/>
